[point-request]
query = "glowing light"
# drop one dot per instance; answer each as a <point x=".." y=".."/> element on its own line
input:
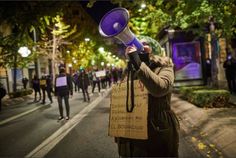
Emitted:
<point x="24" y="51"/>
<point x="101" y="50"/>
<point x="87" y="39"/>
<point x="143" y="5"/>
<point x="69" y="65"/>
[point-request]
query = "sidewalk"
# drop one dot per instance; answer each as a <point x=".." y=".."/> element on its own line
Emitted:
<point x="211" y="130"/>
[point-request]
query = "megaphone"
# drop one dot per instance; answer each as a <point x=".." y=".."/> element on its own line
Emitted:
<point x="115" y="24"/>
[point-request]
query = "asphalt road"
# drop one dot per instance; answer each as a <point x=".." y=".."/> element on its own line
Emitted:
<point x="39" y="134"/>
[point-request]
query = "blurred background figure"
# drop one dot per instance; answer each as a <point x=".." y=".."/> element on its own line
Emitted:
<point x="36" y="87"/>
<point x="43" y="87"/>
<point x="84" y="83"/>
<point x="75" y="81"/>
<point x="3" y="92"/>
<point x="49" y="87"/>
<point x="208" y="71"/>
<point x="229" y="74"/>
<point x="25" y="82"/>
<point x="96" y="81"/>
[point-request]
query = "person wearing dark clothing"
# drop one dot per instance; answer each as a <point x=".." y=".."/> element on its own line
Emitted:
<point x="25" y="82"/>
<point x="234" y="73"/>
<point x="63" y="88"/>
<point x="163" y="126"/>
<point x="96" y="81"/>
<point x="43" y="87"/>
<point x="208" y="71"/>
<point x="46" y="86"/>
<point x="36" y="87"/>
<point x="75" y="81"/>
<point x="3" y="92"/>
<point x="49" y="87"/>
<point x="83" y="84"/>
<point x="229" y="73"/>
<point x="108" y="78"/>
<point x="114" y="75"/>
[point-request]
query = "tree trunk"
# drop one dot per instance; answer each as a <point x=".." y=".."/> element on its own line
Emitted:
<point x="15" y="72"/>
<point x="214" y="67"/>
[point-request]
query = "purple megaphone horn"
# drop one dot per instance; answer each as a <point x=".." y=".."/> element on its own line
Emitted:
<point x="115" y="24"/>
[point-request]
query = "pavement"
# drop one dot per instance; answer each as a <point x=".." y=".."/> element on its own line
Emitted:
<point x="210" y="130"/>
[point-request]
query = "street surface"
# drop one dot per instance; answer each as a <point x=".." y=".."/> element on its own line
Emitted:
<point x="39" y="134"/>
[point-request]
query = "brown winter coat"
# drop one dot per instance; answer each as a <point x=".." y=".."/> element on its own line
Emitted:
<point x="163" y="126"/>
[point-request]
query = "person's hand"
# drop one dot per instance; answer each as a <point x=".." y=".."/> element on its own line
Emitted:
<point x="130" y="49"/>
<point x="147" y="49"/>
<point x="132" y="53"/>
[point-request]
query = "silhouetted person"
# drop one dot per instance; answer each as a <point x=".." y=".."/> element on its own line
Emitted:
<point x="2" y="94"/>
<point x="229" y="73"/>
<point x="83" y="84"/>
<point x="49" y="87"/>
<point x="36" y="87"/>
<point x="43" y="88"/>
<point x="25" y="82"/>
<point x="96" y="81"/>
<point x="208" y="71"/>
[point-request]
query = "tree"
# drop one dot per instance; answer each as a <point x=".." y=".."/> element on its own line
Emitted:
<point x="188" y="15"/>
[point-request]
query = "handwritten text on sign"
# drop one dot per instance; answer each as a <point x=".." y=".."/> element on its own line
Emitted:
<point x="129" y="124"/>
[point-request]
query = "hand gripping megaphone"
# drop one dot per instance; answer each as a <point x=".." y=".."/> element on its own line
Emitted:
<point x="115" y="24"/>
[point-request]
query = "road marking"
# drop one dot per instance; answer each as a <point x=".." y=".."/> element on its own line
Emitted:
<point x="48" y="144"/>
<point x="20" y="115"/>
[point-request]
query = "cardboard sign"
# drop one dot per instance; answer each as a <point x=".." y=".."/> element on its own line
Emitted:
<point x="101" y="73"/>
<point x="42" y="82"/>
<point x="61" y="81"/>
<point x="128" y="124"/>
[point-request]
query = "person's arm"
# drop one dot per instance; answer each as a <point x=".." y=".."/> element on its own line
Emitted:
<point x="157" y="84"/>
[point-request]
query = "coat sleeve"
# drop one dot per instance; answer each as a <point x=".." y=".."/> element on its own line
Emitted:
<point x="157" y="83"/>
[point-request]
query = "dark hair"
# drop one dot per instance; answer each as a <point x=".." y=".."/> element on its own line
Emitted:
<point x="62" y="70"/>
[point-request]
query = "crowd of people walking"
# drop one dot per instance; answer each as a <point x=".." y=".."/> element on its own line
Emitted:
<point x="65" y="84"/>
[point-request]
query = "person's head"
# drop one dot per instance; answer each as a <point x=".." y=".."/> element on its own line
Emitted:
<point x="35" y="77"/>
<point x="62" y="70"/>
<point x="151" y="45"/>
<point x="147" y="48"/>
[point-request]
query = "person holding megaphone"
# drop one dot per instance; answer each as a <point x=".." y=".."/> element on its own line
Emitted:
<point x="163" y="125"/>
<point x="156" y="72"/>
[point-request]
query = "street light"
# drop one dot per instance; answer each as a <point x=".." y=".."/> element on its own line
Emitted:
<point x="87" y="39"/>
<point x="101" y="50"/>
<point x="24" y="51"/>
<point x="102" y="64"/>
